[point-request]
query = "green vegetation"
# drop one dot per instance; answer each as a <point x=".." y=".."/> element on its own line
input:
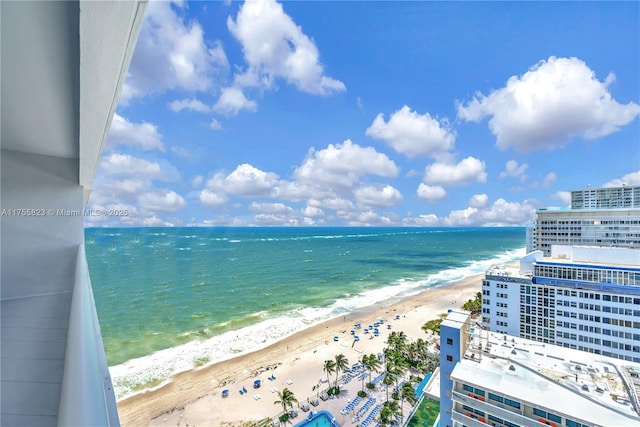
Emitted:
<point x="372" y="364"/>
<point x="434" y="325"/>
<point x="286" y="398"/>
<point x="474" y="305"/>
<point x="400" y="356"/>
<point x="342" y="363"/>
<point x="333" y="391"/>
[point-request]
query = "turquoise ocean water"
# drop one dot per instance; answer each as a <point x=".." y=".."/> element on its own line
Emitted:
<point x="168" y="297"/>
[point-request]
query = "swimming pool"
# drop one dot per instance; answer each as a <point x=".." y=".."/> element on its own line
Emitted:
<point x="318" y="419"/>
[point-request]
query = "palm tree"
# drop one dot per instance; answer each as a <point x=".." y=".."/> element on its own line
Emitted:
<point x="342" y="363"/>
<point x="364" y="363"/>
<point x="384" y="416"/>
<point x="432" y="361"/>
<point x="329" y="367"/>
<point x="389" y="378"/>
<point x="372" y="364"/>
<point x="397" y="341"/>
<point x="388" y="413"/>
<point x="408" y="393"/>
<point x="286" y="398"/>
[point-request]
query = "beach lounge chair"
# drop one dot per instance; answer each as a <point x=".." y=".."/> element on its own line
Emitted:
<point x="324" y="395"/>
<point x="304" y="406"/>
<point x="314" y="401"/>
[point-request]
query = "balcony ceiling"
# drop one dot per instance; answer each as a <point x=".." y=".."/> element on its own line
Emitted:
<point x="63" y="66"/>
<point x="40" y="77"/>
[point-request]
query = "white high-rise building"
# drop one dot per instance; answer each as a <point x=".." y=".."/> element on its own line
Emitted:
<point x="579" y="284"/>
<point x="585" y="298"/>
<point x="491" y="379"/>
<point x="598" y="217"/>
<point x="606" y="198"/>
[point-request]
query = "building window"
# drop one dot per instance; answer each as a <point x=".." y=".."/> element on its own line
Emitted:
<point x="554" y="417"/>
<point x="450" y="341"/>
<point x="449" y="358"/>
<point x="539" y="412"/>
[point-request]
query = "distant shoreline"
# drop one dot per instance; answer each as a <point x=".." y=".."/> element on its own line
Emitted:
<point x="190" y="386"/>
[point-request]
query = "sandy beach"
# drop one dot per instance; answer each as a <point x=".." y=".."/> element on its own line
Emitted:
<point x="193" y="398"/>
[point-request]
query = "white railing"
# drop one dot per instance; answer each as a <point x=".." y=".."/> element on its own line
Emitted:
<point x="87" y="397"/>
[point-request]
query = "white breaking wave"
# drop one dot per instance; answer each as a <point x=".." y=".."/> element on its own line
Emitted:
<point x="163" y="364"/>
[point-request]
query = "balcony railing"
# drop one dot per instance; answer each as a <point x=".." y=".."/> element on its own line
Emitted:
<point x="87" y="397"/>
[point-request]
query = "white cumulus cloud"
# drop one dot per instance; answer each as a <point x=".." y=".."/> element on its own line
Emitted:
<point x="215" y="125"/>
<point x="172" y="54"/>
<point x="164" y="201"/>
<point x="386" y="196"/>
<point x="562" y="196"/>
<point x="211" y="198"/>
<point x="413" y="134"/>
<point x="478" y="201"/>
<point x="632" y="178"/>
<point x="275" y="47"/>
<point x="342" y="165"/>
<point x="430" y="220"/>
<point x="554" y="101"/>
<point x="245" y="180"/>
<point x="514" y="170"/>
<point x="191" y="104"/>
<point x="501" y="213"/>
<point x="141" y="135"/>
<point x="125" y="164"/>
<point x="431" y="193"/>
<point x="466" y="171"/>
<point x="232" y="101"/>
<point x="270" y="208"/>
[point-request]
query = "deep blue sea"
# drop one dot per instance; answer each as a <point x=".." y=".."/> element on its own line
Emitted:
<point x="172" y="296"/>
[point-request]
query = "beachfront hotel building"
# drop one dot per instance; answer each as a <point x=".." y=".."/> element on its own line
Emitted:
<point x="491" y="379"/>
<point x="597" y="217"/>
<point x="63" y="66"/>
<point x="580" y="286"/>
<point x="581" y="297"/>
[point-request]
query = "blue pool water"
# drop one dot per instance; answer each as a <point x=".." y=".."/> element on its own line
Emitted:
<point x="423" y="384"/>
<point x="319" y="419"/>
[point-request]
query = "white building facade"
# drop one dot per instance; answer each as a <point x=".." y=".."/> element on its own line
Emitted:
<point x="606" y="198"/>
<point x="584" y="298"/>
<point x="598" y="217"/>
<point x="514" y="382"/>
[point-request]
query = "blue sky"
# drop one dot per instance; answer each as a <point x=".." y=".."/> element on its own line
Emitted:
<point x="371" y="113"/>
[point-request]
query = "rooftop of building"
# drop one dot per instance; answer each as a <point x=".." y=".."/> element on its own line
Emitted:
<point x="455" y="319"/>
<point x="597" y="387"/>
<point x="507" y="270"/>
<point x="577" y="256"/>
<point x="597" y="210"/>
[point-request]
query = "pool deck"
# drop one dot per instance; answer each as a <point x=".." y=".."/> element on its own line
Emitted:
<point x="328" y="420"/>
